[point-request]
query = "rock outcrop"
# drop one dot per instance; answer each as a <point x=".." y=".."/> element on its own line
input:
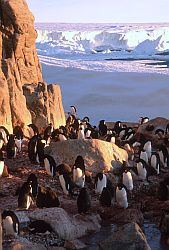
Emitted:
<point x="98" y="155"/>
<point x="129" y="236"/>
<point x="19" y="66"/>
<point x="66" y="226"/>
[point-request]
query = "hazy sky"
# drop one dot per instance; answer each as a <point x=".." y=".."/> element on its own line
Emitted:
<point x="106" y="11"/>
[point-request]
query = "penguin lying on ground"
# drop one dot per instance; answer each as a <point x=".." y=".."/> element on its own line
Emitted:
<point x="47" y="198"/>
<point x="39" y="226"/>
<point x="10" y="223"/>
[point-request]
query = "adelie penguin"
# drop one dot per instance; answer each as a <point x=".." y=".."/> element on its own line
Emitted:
<point x="10" y="223"/>
<point x="100" y="182"/>
<point x="102" y="128"/>
<point x="79" y="172"/>
<point x="66" y="184"/>
<point x="32" y="179"/>
<point x="39" y="226"/>
<point x="2" y="164"/>
<point x="83" y="201"/>
<point x="47" y="198"/>
<point x="11" y="148"/>
<point x="50" y="165"/>
<point x="155" y="161"/>
<point x="105" y="197"/>
<point x="127" y="179"/>
<point x="25" y="198"/>
<point x="121" y="196"/>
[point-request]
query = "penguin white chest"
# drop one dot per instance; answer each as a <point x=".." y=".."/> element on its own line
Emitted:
<point x="1" y="167"/>
<point x="47" y="167"/>
<point x="8" y="226"/>
<point x="101" y="184"/>
<point x="128" y="180"/>
<point x="142" y="172"/>
<point x="121" y="197"/>
<point x="63" y="184"/>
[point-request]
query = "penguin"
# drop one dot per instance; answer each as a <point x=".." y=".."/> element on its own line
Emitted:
<point x="164" y="157"/>
<point x="100" y="182"/>
<point x="111" y="137"/>
<point x="81" y="133"/>
<point x="48" y="132"/>
<point x="87" y="132"/>
<point x="129" y="134"/>
<point x="66" y="184"/>
<point x="73" y="110"/>
<point x="39" y="148"/>
<point x="25" y="197"/>
<point x="144" y="156"/>
<point x="50" y="165"/>
<point x="34" y="184"/>
<point x="102" y="128"/>
<point x="47" y="198"/>
<point x="95" y="132"/>
<point x="143" y="120"/>
<point x="32" y="148"/>
<point x="155" y="162"/>
<point x="127" y="179"/>
<point x="63" y="169"/>
<point x="121" y="196"/>
<point x="83" y="201"/>
<point x="117" y="127"/>
<point x="18" y="132"/>
<point x="11" y="148"/>
<point x="5" y="134"/>
<point x="10" y="223"/>
<point x="39" y="226"/>
<point x="62" y="137"/>
<point x="1" y="140"/>
<point x="141" y="169"/>
<point x="105" y="197"/>
<point x="79" y="172"/>
<point x="33" y="130"/>
<point x="2" y="164"/>
<point x="148" y="148"/>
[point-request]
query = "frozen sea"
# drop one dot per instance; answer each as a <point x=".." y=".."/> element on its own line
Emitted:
<point x="108" y="71"/>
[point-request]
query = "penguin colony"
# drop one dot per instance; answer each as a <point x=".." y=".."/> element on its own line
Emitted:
<point x="147" y="160"/>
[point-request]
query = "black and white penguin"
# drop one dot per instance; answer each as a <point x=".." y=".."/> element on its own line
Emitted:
<point x="121" y="196"/>
<point x="95" y="132"/>
<point x="155" y="161"/>
<point x="4" y="134"/>
<point x="141" y="169"/>
<point x="48" y="132"/>
<point x="50" y="165"/>
<point x="164" y="156"/>
<point x="105" y="197"/>
<point x="143" y="120"/>
<point x="66" y="184"/>
<point x="39" y="226"/>
<point x="144" y="155"/>
<point x="18" y="132"/>
<point x="33" y="130"/>
<point x="79" y="172"/>
<point x="34" y="184"/>
<point x="100" y="182"/>
<point x="11" y="148"/>
<point x="127" y="179"/>
<point x="117" y="127"/>
<point x="10" y="223"/>
<point x="25" y="197"/>
<point x="81" y="132"/>
<point x="148" y="148"/>
<point x="102" y="128"/>
<point x="73" y="111"/>
<point x="111" y="136"/>
<point x="129" y="134"/>
<point x="88" y="132"/>
<point x="2" y="164"/>
<point x="83" y="201"/>
<point x="47" y="198"/>
<point x="32" y="148"/>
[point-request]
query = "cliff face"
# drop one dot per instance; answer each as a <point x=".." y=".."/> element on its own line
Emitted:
<point x="20" y="67"/>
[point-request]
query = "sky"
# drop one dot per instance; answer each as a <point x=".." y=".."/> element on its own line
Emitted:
<point x="100" y="11"/>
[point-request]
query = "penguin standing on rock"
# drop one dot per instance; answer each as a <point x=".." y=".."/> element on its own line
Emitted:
<point x="155" y="161"/>
<point x="25" y="197"/>
<point x="50" y="165"/>
<point x="127" y="179"/>
<point x="66" y="184"/>
<point x="121" y="196"/>
<point x="105" y="197"/>
<point x="34" y="184"/>
<point x="83" y="201"/>
<point x="11" y="148"/>
<point x="102" y="128"/>
<point x="100" y="182"/>
<point x="79" y="172"/>
<point x="10" y="223"/>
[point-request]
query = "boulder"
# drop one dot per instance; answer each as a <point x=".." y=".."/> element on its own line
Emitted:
<point x="24" y="244"/>
<point x="98" y="155"/>
<point x="68" y="227"/>
<point x="74" y="244"/>
<point x="129" y="236"/>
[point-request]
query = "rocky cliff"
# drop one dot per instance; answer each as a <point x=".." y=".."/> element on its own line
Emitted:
<point x="20" y="70"/>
